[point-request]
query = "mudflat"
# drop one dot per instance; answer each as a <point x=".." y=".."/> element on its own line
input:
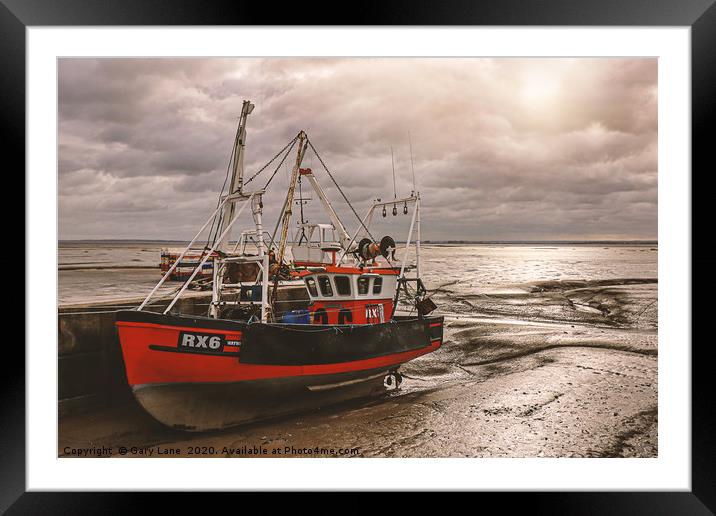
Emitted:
<point x="550" y="368"/>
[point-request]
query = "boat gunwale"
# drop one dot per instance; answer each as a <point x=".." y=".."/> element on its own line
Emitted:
<point x="128" y="317"/>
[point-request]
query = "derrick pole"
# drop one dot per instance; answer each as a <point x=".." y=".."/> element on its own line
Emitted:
<point x="287" y="212"/>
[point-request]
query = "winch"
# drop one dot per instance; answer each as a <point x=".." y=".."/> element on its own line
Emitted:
<point x="369" y="250"/>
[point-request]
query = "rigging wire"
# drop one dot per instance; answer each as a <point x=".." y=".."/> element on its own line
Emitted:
<point x="286" y="150"/>
<point x="273" y="235"/>
<point x="216" y="223"/>
<point x="283" y="209"/>
<point x="412" y="165"/>
<point x="303" y="219"/>
<point x="392" y="161"/>
<point x="339" y="188"/>
<point x="292" y="143"/>
<point x="289" y="144"/>
<point x="218" y="201"/>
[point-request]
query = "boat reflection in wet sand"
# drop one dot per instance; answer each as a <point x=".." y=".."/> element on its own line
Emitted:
<point x="248" y="359"/>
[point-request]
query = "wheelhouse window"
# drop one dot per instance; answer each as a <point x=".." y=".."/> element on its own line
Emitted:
<point x="343" y="285"/>
<point x="324" y="282"/>
<point x="328" y="235"/>
<point x="363" y="285"/>
<point x="377" y="285"/>
<point x="311" y="285"/>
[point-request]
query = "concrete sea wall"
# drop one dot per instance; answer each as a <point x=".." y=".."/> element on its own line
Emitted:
<point x="91" y="373"/>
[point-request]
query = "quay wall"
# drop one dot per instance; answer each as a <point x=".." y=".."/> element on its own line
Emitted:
<point x="90" y="367"/>
<point x="91" y="373"/>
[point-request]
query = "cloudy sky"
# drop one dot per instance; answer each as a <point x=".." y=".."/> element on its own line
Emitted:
<point x="503" y="149"/>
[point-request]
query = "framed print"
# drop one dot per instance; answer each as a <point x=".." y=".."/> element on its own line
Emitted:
<point x="434" y="249"/>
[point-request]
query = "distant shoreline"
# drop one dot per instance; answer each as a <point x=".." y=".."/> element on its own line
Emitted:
<point x="440" y="242"/>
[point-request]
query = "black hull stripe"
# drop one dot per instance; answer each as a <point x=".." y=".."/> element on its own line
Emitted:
<point x="307" y="345"/>
<point x="172" y="349"/>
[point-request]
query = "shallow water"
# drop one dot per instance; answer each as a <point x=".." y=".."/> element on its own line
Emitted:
<point x="101" y="271"/>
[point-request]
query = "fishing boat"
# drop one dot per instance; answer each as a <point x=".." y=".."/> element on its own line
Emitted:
<point x="186" y="266"/>
<point x="357" y="314"/>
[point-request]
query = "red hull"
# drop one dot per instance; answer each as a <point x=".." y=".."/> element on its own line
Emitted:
<point x="199" y="388"/>
<point x="146" y="366"/>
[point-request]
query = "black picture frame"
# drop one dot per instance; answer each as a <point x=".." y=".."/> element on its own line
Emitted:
<point x="700" y="15"/>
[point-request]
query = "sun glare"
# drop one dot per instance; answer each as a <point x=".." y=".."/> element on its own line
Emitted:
<point x="539" y="90"/>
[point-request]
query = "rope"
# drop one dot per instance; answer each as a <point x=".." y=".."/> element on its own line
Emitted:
<point x="300" y="200"/>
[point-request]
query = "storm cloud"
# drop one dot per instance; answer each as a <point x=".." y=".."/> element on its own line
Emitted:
<point x="503" y="149"/>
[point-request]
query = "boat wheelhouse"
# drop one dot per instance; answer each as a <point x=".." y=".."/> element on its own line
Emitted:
<point x="315" y="245"/>
<point x="351" y="295"/>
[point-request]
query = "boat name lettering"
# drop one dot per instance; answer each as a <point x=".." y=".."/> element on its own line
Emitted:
<point x="193" y="342"/>
<point x="374" y="314"/>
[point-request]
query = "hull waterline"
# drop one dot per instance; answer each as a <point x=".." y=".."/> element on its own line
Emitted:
<point x="212" y="406"/>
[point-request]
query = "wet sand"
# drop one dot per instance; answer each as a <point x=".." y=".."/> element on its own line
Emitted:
<point x="543" y="369"/>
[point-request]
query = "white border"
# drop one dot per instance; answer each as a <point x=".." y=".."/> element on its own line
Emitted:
<point x="671" y="470"/>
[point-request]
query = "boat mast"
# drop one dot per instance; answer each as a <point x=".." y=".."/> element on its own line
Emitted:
<point x="286" y="217"/>
<point x="237" y="174"/>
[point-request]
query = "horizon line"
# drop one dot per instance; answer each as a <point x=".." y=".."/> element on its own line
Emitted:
<point x="431" y="241"/>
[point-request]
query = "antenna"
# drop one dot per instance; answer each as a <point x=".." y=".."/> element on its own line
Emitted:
<point x="395" y="194"/>
<point x="412" y="166"/>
